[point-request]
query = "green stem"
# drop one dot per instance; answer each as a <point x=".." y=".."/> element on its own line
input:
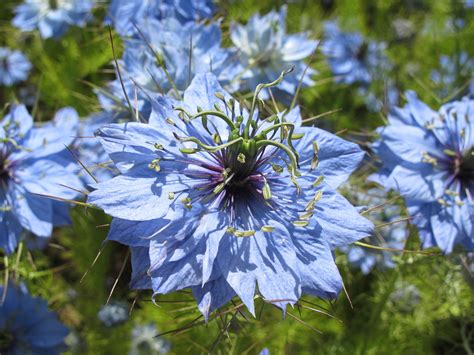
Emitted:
<point x="259" y="88"/>
<point x="215" y="114"/>
<point x="209" y="148"/>
<point x="283" y="147"/>
<point x="274" y="127"/>
<point x="290" y="135"/>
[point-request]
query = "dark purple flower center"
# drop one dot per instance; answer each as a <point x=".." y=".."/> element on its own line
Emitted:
<point x="464" y="167"/>
<point x="361" y="52"/>
<point x="6" y="341"/>
<point x="4" y="174"/>
<point x="53" y="4"/>
<point x="233" y="179"/>
<point x="3" y="63"/>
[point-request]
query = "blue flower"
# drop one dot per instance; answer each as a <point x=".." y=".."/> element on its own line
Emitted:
<point x="405" y="298"/>
<point x="183" y="49"/>
<point x="52" y="17"/>
<point x="145" y="340"/>
<point x="376" y="104"/>
<point x="453" y="73"/>
<point x="14" y="66"/>
<point x="113" y="313"/>
<point x="391" y="235"/>
<point x="32" y="165"/>
<point x="265" y="49"/>
<point x="353" y="59"/>
<point x="125" y="14"/>
<point x="428" y="158"/>
<point x="215" y="198"/>
<point x="27" y="326"/>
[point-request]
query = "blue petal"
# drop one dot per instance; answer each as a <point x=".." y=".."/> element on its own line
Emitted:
<point x="319" y="274"/>
<point x="138" y="198"/>
<point x="270" y="260"/>
<point x="33" y="212"/>
<point x="10" y="231"/>
<point x="140" y="280"/>
<point x="338" y="158"/>
<point x="409" y="143"/>
<point x="46" y="177"/>
<point x="410" y="182"/>
<point x="297" y="47"/>
<point x="132" y="144"/>
<point x="213" y="295"/>
<point x="339" y="221"/>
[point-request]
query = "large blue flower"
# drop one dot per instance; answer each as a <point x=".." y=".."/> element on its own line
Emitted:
<point x="428" y="156"/>
<point x="32" y="164"/>
<point x="52" y="17"/>
<point x="125" y="14"/>
<point x="353" y="59"/>
<point x="14" y="66"/>
<point x="27" y="326"/>
<point x="220" y="200"/>
<point x="265" y="49"/>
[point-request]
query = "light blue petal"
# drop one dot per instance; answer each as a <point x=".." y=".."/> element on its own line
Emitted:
<point x="146" y="199"/>
<point x="213" y="295"/>
<point x="339" y="222"/>
<point x="33" y="212"/>
<point x="338" y="158"/>
<point x="319" y="274"/>
<point x="140" y="280"/>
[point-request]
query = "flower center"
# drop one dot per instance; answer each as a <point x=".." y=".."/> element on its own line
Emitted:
<point x="4" y="63"/>
<point x="361" y="51"/>
<point x="464" y="166"/>
<point x="243" y="169"/>
<point x="144" y="347"/>
<point x="53" y="4"/>
<point x="4" y="175"/>
<point x="6" y="341"/>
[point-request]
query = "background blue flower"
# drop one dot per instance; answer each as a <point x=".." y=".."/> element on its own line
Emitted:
<point x="265" y="49"/>
<point x="126" y="14"/>
<point x="353" y="59"/>
<point x="14" y="66"/>
<point x="52" y="17"/>
<point x="27" y="326"/>
<point x="163" y="60"/>
<point x="428" y="157"/>
<point x="113" y="313"/>
<point x="453" y="74"/>
<point x="32" y="166"/>
<point x="145" y="340"/>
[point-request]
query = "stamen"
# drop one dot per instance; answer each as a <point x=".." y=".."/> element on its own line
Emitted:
<point x="267" y="193"/>
<point x="155" y="165"/>
<point x="426" y="158"/>
<point x="318" y="181"/>
<point x="267" y="229"/>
